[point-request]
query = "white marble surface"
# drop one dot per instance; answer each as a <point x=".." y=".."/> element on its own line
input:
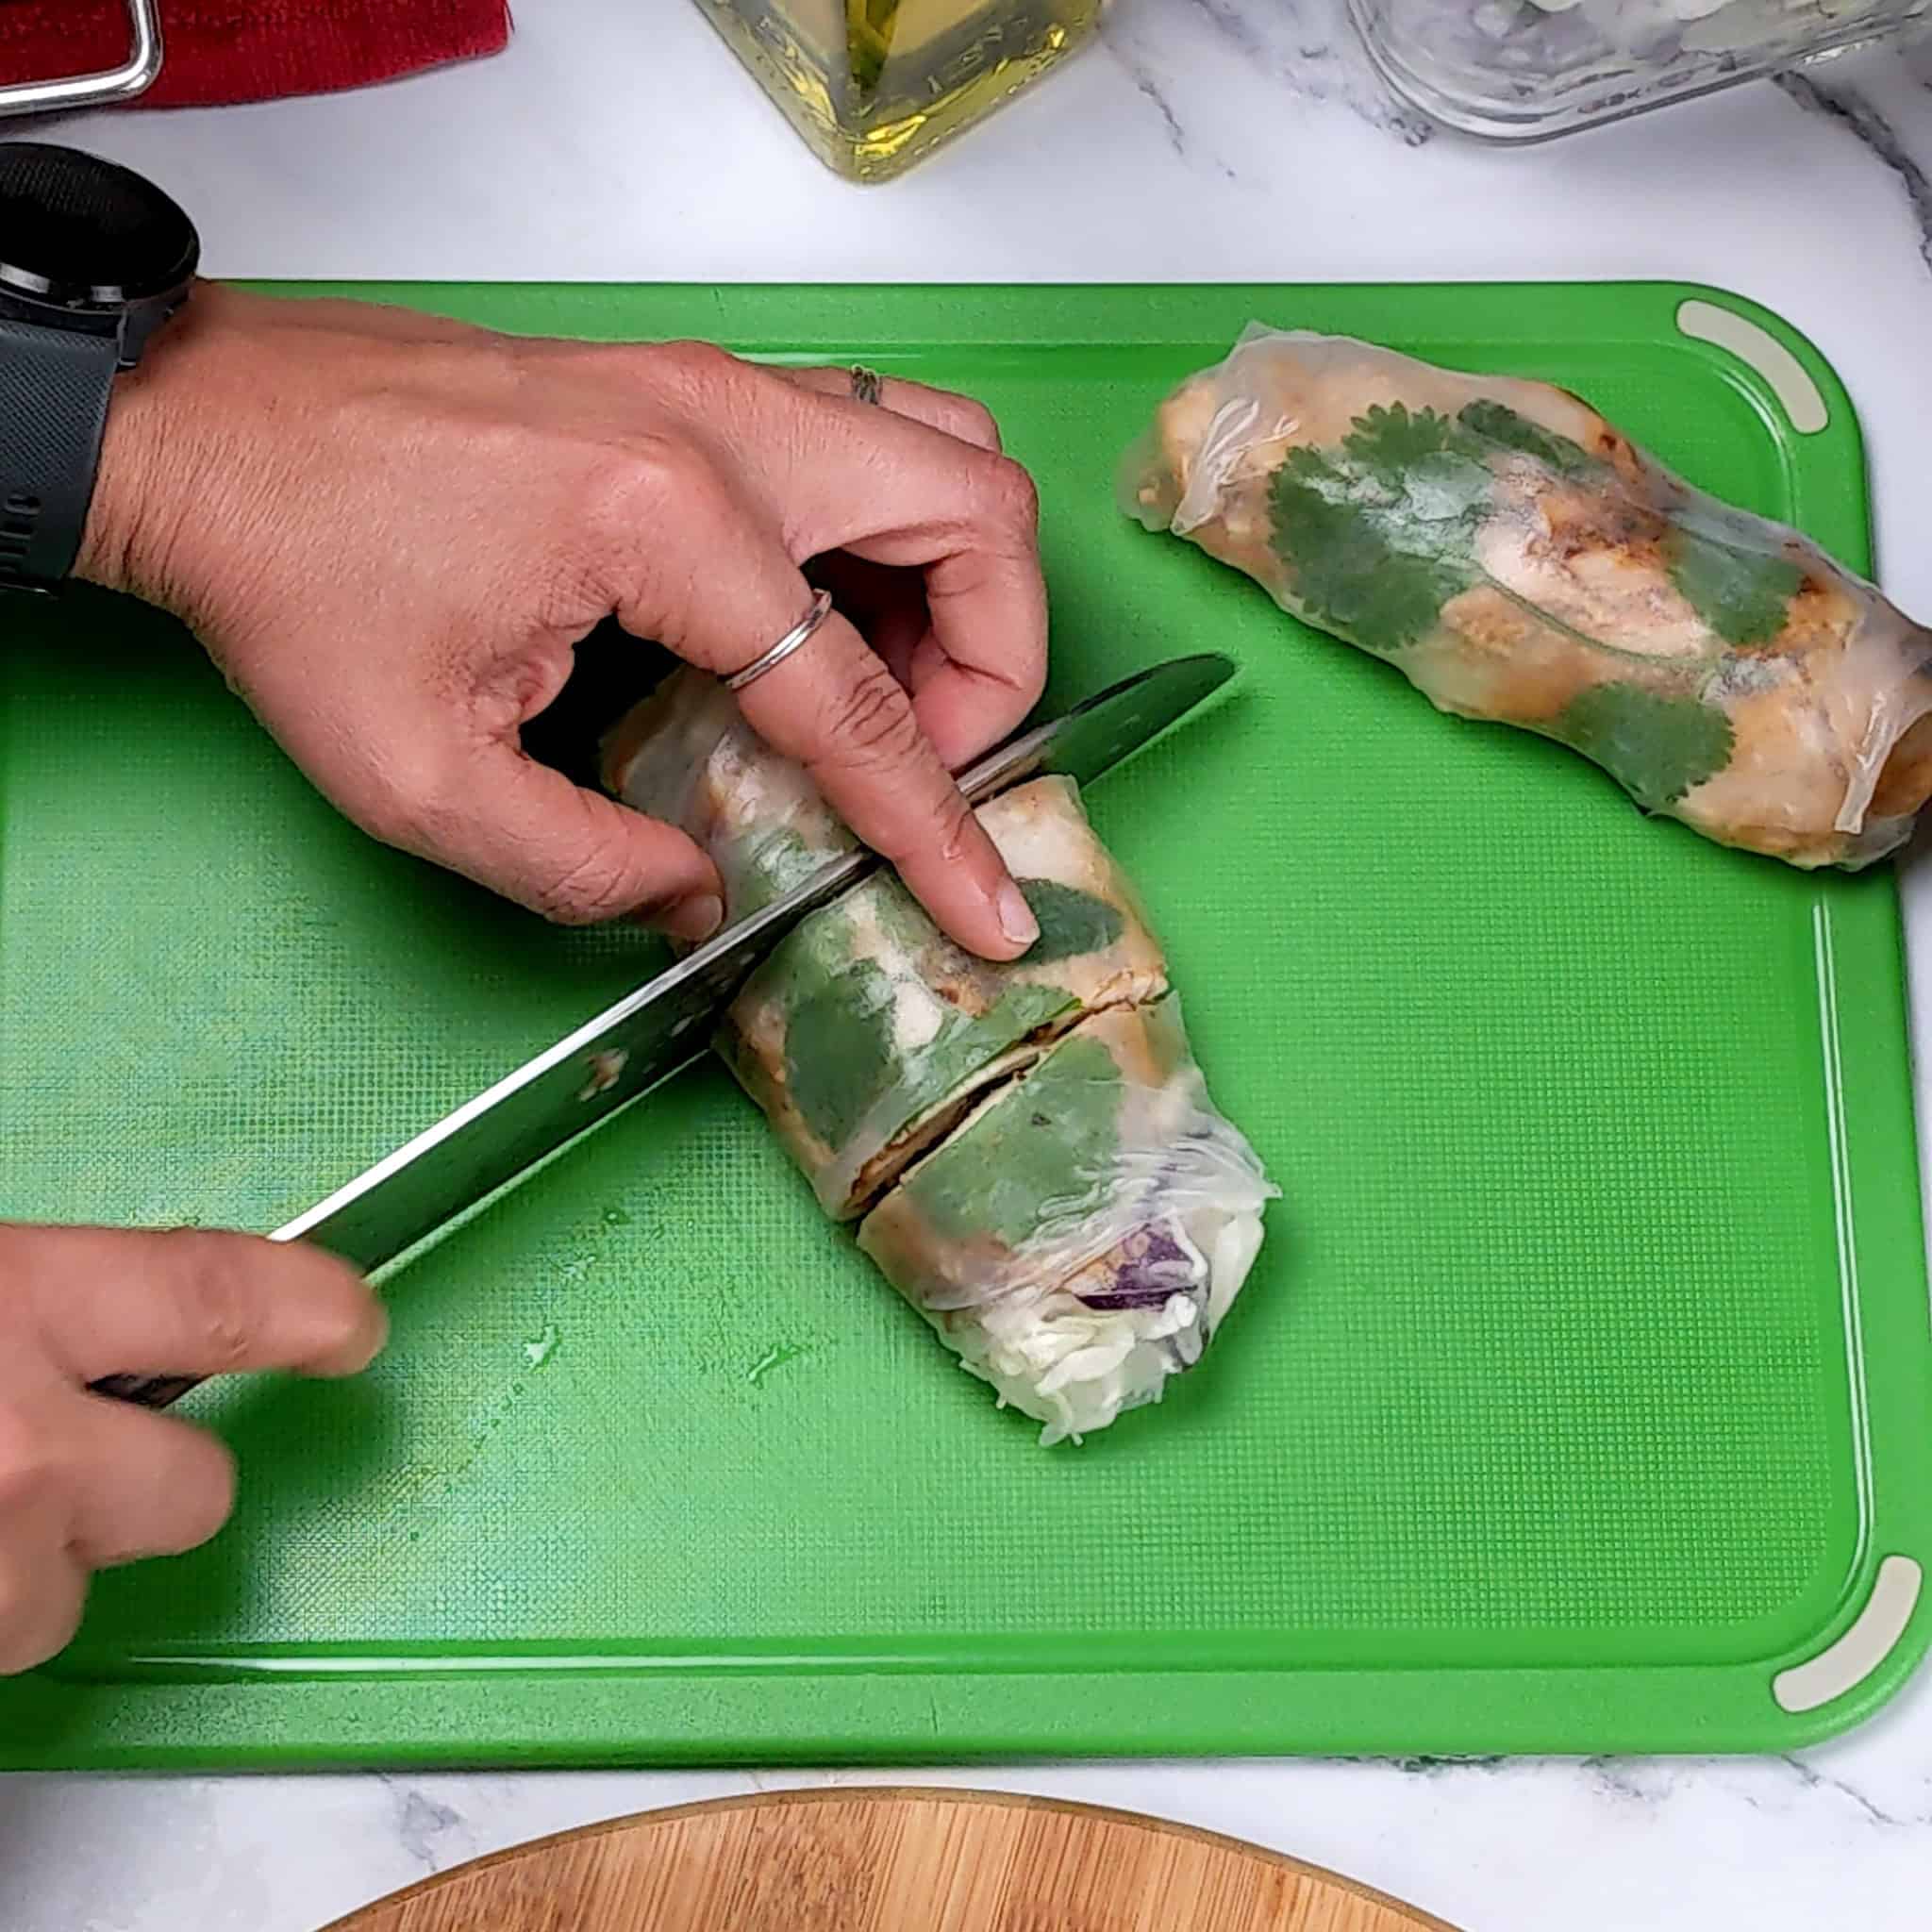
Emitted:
<point x="1208" y="139"/>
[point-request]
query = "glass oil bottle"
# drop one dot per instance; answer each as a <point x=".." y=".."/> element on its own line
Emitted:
<point x="872" y="85"/>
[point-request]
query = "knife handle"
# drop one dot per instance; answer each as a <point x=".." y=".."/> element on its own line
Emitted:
<point x="146" y="1391"/>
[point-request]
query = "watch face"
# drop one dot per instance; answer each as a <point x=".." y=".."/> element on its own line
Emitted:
<point x="84" y="233"/>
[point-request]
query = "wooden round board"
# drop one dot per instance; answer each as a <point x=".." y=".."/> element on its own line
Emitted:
<point x="887" y="1860"/>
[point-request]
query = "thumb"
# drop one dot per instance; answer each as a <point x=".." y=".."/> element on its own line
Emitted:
<point x="575" y="856"/>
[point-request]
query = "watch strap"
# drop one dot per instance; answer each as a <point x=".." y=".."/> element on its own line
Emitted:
<point x="54" y="391"/>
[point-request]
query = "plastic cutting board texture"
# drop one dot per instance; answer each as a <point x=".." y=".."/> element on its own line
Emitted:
<point x="1584" y="1387"/>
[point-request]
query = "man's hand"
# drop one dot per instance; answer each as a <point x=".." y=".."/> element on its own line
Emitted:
<point x="87" y="1482"/>
<point x="391" y="530"/>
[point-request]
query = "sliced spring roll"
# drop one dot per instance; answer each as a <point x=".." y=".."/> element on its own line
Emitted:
<point x="1523" y="561"/>
<point x="1079" y="1237"/>
<point x="1079" y="1217"/>
<point x="868" y="1032"/>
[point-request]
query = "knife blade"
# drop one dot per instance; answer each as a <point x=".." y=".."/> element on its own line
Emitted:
<point x="602" y="1067"/>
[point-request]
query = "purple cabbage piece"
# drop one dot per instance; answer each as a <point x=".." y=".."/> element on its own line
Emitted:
<point x="1146" y="1271"/>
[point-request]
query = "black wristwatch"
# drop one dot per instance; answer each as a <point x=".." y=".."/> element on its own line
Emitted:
<point x="92" y="260"/>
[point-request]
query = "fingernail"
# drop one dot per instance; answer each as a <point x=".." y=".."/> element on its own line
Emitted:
<point x="371" y="1342"/>
<point x="362" y="1342"/>
<point x="1016" y="917"/>
<point x="694" y="920"/>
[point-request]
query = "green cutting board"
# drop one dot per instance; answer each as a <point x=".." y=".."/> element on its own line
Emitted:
<point x="1582" y="1393"/>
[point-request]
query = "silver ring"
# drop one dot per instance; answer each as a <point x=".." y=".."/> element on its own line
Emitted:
<point x="794" y="639"/>
<point x="866" y="386"/>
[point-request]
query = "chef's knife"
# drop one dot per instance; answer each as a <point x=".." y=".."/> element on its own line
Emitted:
<point x="609" y="1063"/>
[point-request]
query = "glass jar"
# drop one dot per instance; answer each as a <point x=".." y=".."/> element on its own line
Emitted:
<point x="872" y="85"/>
<point x="1522" y="70"/>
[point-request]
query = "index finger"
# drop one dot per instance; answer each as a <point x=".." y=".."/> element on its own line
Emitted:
<point x="833" y="705"/>
<point x="190" y="1302"/>
<point x="842" y="715"/>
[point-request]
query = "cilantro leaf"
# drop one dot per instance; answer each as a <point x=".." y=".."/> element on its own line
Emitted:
<point x="1380" y="534"/>
<point x="1658" y="749"/>
<point x="1494" y="422"/>
<point x="1387" y="441"/>
<point x="1740" y="592"/>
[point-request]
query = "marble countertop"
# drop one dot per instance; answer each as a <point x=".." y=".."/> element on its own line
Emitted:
<point x="1206" y="139"/>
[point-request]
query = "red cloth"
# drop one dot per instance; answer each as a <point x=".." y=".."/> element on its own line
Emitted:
<point x="220" y="51"/>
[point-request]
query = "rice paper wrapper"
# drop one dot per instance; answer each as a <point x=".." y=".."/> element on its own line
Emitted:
<point x="686" y="756"/>
<point x="1523" y="561"/>
<point x="1080" y="1236"/>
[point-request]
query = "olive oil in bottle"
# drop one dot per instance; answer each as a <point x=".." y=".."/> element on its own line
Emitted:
<point x="872" y="85"/>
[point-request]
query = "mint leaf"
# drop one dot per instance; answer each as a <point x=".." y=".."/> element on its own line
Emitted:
<point x="838" y="1044"/>
<point x="1049" y="1143"/>
<point x="1740" y="592"/>
<point x="904" y="922"/>
<point x="1658" y="749"/>
<point x="1494" y="422"/>
<point x="1380" y="534"/>
<point x="1071" y="923"/>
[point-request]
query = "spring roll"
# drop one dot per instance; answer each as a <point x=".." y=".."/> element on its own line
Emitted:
<point x="1078" y="1239"/>
<point x="876" y="1047"/>
<point x="868" y="1032"/>
<point x="1522" y="561"/>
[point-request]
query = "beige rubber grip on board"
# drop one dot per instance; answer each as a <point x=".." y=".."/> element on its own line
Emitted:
<point x="1845" y="1665"/>
<point x="1803" y="402"/>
